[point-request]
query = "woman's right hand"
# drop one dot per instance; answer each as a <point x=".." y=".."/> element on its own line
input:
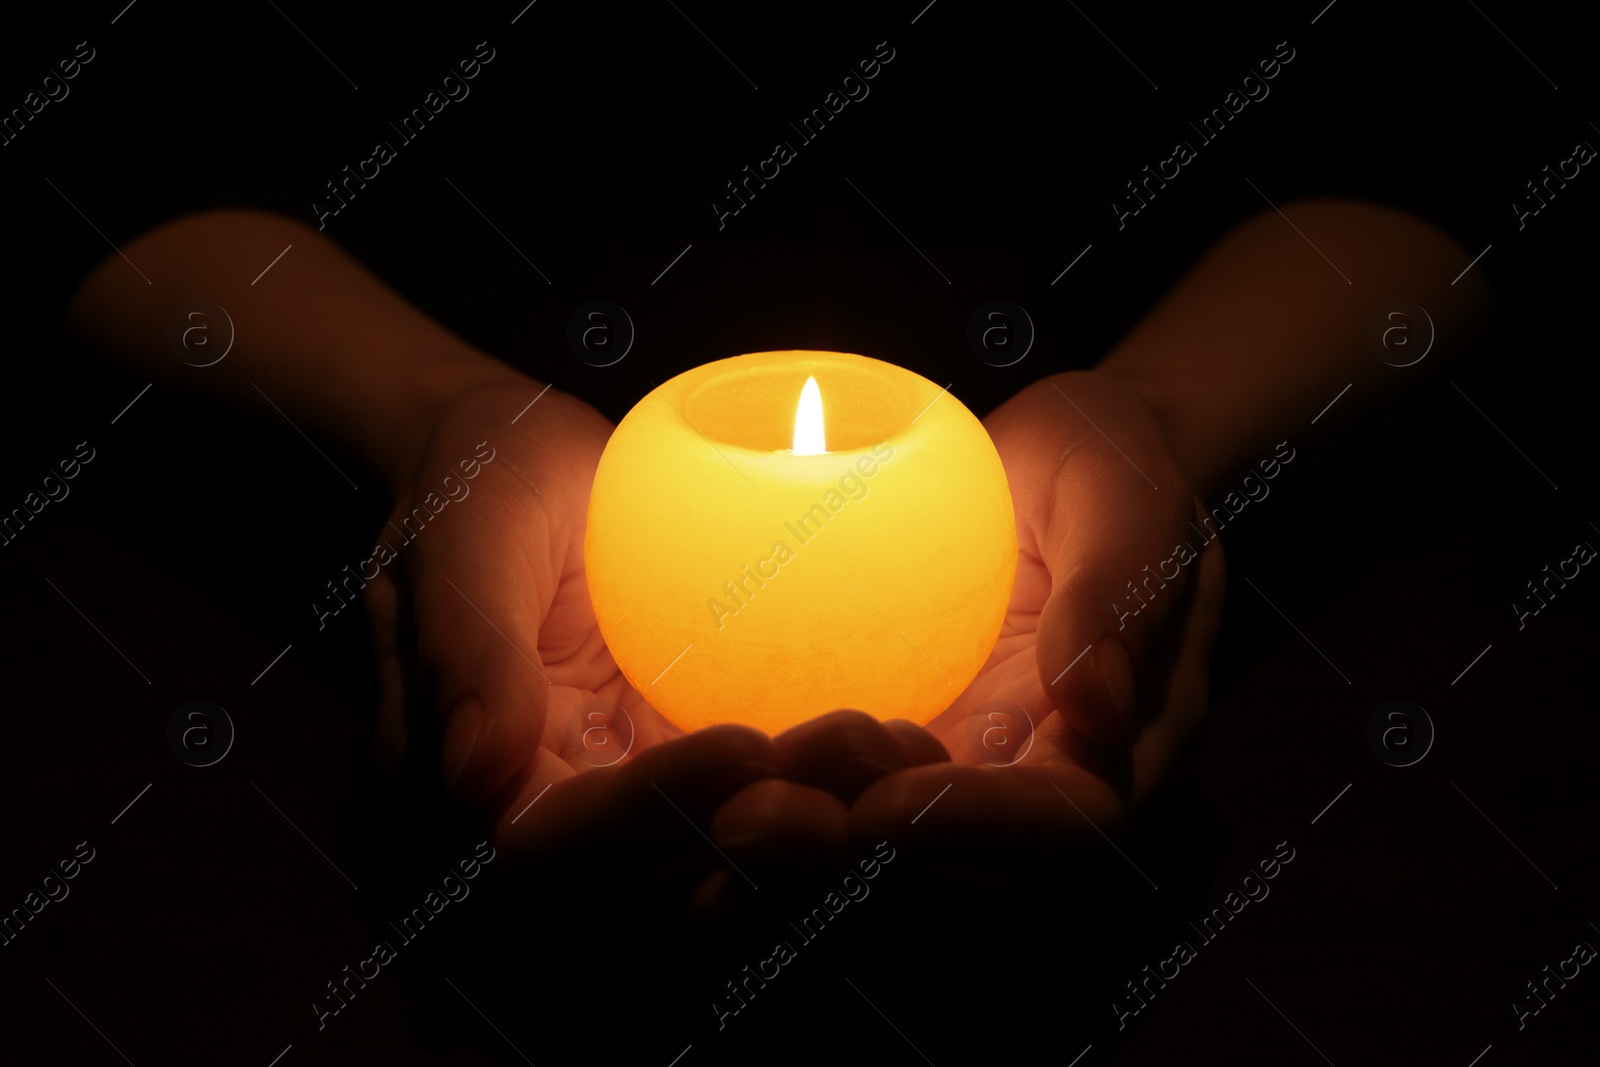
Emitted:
<point x="489" y="655"/>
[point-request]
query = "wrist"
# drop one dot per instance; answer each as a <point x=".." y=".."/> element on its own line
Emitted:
<point x="1201" y="451"/>
<point x="418" y="395"/>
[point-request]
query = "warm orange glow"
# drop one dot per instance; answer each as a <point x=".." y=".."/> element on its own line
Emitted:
<point x="744" y="567"/>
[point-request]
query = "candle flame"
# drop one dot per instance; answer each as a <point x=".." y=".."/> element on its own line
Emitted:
<point x="809" y="439"/>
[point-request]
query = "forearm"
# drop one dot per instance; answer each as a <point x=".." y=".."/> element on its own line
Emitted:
<point x="332" y="346"/>
<point x="1264" y="331"/>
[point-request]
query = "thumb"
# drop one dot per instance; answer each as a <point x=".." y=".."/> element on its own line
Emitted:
<point x="478" y="609"/>
<point x="1113" y="544"/>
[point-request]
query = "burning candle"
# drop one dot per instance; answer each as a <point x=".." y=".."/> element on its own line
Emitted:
<point x="778" y="535"/>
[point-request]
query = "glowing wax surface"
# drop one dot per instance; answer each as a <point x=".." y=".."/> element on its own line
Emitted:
<point x="735" y="581"/>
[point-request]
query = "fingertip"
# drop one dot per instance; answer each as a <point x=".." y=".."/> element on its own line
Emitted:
<point x="773" y="819"/>
<point x="697" y="772"/>
<point x="389" y="732"/>
<point x="779" y="835"/>
<point x="461" y="736"/>
<point x="842" y="752"/>
<point x="1094" y="688"/>
<point x="484" y="749"/>
<point x="735" y="741"/>
<point x="895" y="805"/>
<point x="918" y="745"/>
<point x="1119" y="688"/>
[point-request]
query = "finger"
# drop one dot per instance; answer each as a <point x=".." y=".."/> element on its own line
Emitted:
<point x="777" y="836"/>
<point x="1189" y="672"/>
<point x="382" y="598"/>
<point x="776" y="822"/>
<point x="981" y="815"/>
<point x="482" y="584"/>
<point x="843" y="752"/>
<point x="1119" y="510"/>
<point x="654" y="826"/>
<point x="644" y="824"/>
<point x="919" y="745"/>
<point x="659" y="795"/>
<point x="695" y="774"/>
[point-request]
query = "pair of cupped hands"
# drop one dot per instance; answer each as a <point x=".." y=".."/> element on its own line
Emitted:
<point x="489" y="659"/>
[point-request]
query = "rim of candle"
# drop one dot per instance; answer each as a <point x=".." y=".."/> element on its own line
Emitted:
<point x="748" y="402"/>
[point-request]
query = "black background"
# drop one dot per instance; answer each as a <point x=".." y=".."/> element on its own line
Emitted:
<point x="994" y="141"/>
